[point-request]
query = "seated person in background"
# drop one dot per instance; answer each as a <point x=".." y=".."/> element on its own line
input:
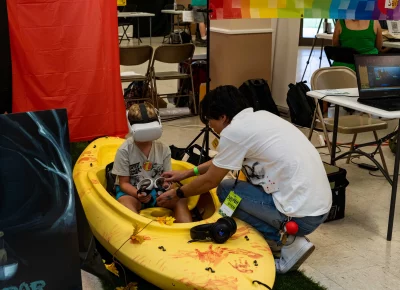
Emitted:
<point x="142" y="158"/>
<point x="201" y="19"/>
<point x="365" y="36"/>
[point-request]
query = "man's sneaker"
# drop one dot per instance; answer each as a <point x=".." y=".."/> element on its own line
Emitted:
<point x="275" y="248"/>
<point x="293" y="255"/>
<point x="201" y="43"/>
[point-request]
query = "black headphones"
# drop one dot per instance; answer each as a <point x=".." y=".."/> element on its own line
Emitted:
<point x="218" y="232"/>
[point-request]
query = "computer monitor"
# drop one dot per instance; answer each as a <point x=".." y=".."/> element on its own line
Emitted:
<point x="378" y="75"/>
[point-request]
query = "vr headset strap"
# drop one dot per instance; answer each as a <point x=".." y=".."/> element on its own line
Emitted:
<point x="143" y="111"/>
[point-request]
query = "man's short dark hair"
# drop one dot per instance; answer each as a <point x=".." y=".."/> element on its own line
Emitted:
<point x="224" y="100"/>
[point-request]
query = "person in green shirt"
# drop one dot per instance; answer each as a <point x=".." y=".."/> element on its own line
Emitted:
<point x="200" y="18"/>
<point x="365" y="36"/>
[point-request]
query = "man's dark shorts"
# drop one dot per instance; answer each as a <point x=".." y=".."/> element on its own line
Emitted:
<point x="199" y="17"/>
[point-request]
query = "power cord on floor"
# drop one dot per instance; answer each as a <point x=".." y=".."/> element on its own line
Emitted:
<point x="369" y="171"/>
<point x="338" y="150"/>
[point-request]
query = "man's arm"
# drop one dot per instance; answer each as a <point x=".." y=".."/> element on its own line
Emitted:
<point x="229" y="157"/>
<point x="175" y="175"/>
<point x="203" y="168"/>
<point x="207" y="181"/>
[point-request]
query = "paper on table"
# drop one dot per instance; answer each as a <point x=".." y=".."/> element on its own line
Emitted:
<point x="394" y="27"/>
<point x="187" y="16"/>
<point x="333" y="92"/>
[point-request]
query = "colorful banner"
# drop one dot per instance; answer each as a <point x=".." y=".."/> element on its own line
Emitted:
<point x="335" y="9"/>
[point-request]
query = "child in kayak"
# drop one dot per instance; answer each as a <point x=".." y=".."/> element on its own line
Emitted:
<point x="141" y="160"/>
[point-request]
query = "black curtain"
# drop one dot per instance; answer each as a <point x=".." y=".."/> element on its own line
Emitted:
<point x="5" y="61"/>
<point x="160" y="23"/>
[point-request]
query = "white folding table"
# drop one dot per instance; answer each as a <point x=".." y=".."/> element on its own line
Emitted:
<point x="137" y="15"/>
<point x="352" y="103"/>
<point x="391" y="44"/>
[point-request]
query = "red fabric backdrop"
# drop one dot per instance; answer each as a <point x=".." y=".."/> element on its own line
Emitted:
<point x="65" y="55"/>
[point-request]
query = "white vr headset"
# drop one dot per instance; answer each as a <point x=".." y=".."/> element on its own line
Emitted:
<point x="148" y="184"/>
<point x="147" y="129"/>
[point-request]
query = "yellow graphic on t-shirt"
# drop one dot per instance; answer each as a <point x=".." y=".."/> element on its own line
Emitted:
<point x="147" y="166"/>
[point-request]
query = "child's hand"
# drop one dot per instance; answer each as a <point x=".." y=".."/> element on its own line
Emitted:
<point x="174" y="176"/>
<point x="166" y="185"/>
<point x="143" y="198"/>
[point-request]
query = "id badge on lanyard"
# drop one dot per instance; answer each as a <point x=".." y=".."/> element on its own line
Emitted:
<point x="231" y="202"/>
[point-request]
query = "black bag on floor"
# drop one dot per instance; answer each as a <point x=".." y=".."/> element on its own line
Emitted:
<point x="301" y="106"/>
<point x="259" y="95"/>
<point x="194" y="158"/>
<point x="338" y="181"/>
<point x="199" y="71"/>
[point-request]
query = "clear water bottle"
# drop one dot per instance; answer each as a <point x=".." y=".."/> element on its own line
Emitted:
<point x="175" y="5"/>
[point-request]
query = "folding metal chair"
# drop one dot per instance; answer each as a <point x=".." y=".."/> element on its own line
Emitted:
<point x="174" y="54"/>
<point x="133" y="56"/>
<point x="340" y="54"/>
<point x="340" y="78"/>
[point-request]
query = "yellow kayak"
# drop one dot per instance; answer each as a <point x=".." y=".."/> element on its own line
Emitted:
<point x="160" y="253"/>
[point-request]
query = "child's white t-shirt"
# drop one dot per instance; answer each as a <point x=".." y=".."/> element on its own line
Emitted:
<point x="277" y="156"/>
<point x="130" y="161"/>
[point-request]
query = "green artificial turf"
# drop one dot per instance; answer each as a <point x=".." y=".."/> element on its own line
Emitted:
<point x="296" y="280"/>
<point x="291" y="281"/>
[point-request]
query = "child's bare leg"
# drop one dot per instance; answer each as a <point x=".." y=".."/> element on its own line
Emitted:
<point x="130" y="202"/>
<point x="182" y="212"/>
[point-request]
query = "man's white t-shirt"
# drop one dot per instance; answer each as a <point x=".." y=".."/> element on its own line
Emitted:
<point x="277" y="156"/>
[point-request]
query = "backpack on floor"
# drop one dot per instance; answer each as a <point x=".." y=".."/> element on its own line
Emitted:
<point x="301" y="106"/>
<point x="199" y="72"/>
<point x="259" y="95"/>
<point x="194" y="158"/>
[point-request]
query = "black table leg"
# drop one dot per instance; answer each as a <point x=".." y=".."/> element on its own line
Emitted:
<point x="320" y="56"/>
<point x="150" y="30"/>
<point x="138" y="33"/>
<point x="334" y="139"/>
<point x="394" y="188"/>
<point x="172" y="28"/>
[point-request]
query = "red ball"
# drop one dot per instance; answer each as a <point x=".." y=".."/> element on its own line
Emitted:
<point x="291" y="228"/>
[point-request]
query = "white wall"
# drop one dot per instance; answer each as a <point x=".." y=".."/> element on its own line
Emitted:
<point x="285" y="45"/>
